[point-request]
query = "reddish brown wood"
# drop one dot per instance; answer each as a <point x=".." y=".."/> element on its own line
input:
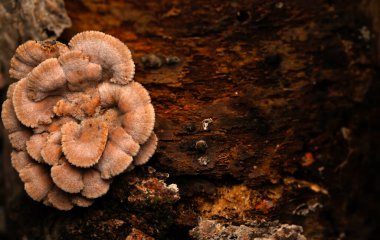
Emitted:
<point x="291" y="88"/>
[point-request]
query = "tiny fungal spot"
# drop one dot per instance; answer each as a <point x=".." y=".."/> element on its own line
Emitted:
<point x="346" y="133"/>
<point x="156" y="61"/>
<point x="172" y="60"/>
<point x="152" y="61"/>
<point x="203" y="160"/>
<point x="206" y="122"/>
<point x="279" y="5"/>
<point x="201" y="146"/>
<point x="365" y="33"/>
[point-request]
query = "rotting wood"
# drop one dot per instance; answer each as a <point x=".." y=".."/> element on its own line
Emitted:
<point x="281" y="82"/>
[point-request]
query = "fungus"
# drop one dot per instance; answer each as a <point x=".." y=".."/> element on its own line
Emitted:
<point x="113" y="162"/>
<point x="35" y="145"/>
<point x="84" y="144"/>
<point x="79" y="71"/>
<point x="81" y="201"/>
<point x="67" y="177"/>
<point x="10" y="121"/>
<point x="201" y="146"/>
<point x="52" y="150"/>
<point x="29" y="112"/>
<point x="206" y="122"/>
<point x="109" y="94"/>
<point x="132" y="96"/>
<point x="31" y="54"/>
<point x="107" y="51"/>
<point x="59" y="199"/>
<point x="78" y="105"/>
<point x="75" y="118"/>
<point x="152" y="61"/>
<point x="20" y="160"/>
<point x="44" y="79"/>
<point x="37" y="181"/>
<point x="94" y="185"/>
<point x="146" y="150"/>
<point x="139" y="124"/>
<point x="124" y="141"/>
<point x="19" y="140"/>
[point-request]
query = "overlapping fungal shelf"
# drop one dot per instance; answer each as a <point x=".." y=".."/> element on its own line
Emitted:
<point x="76" y="118"/>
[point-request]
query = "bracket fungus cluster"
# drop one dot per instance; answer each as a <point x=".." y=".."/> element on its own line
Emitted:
<point x="76" y="118"/>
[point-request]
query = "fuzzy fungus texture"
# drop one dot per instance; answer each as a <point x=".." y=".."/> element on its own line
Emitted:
<point x="76" y="118"/>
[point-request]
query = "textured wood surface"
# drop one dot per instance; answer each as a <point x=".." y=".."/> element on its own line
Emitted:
<point x="291" y="88"/>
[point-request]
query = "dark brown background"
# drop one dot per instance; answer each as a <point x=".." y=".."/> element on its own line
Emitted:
<point x="293" y="91"/>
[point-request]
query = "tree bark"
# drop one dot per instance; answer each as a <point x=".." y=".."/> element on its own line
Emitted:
<point x="266" y="111"/>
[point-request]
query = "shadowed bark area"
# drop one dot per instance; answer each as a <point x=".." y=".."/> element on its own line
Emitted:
<point x="266" y="110"/>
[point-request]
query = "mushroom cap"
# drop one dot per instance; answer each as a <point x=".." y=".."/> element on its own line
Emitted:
<point x="31" y="113"/>
<point x="8" y="115"/>
<point x="146" y="151"/>
<point x="139" y="123"/>
<point x="112" y="54"/>
<point x="10" y="90"/>
<point x="124" y="141"/>
<point x="19" y="69"/>
<point x="126" y="98"/>
<point x="94" y="185"/>
<point x="45" y="79"/>
<point x="35" y="145"/>
<point x="67" y="177"/>
<point x="19" y="139"/>
<point x="83" y="144"/>
<point x="37" y="181"/>
<point x="32" y="53"/>
<point x="20" y="160"/>
<point x="79" y="71"/>
<point x="81" y="201"/>
<point x="132" y="96"/>
<point x="109" y="94"/>
<point x="52" y="151"/>
<point x="59" y="199"/>
<point x="113" y="161"/>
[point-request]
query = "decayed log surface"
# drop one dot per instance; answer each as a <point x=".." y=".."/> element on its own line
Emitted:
<point x="269" y="114"/>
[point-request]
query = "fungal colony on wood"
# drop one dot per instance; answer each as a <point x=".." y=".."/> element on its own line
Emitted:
<point x="76" y="118"/>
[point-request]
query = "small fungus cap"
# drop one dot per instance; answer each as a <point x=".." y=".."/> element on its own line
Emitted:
<point x="83" y="144"/>
<point x="44" y="79"/>
<point x="31" y="113"/>
<point x="37" y="181"/>
<point x="35" y="144"/>
<point x="112" y="54"/>
<point x="31" y="54"/>
<point x="146" y="150"/>
<point x="75" y="118"/>
<point x="67" y="177"/>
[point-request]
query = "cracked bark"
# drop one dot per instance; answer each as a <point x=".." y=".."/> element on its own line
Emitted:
<point x="291" y="90"/>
